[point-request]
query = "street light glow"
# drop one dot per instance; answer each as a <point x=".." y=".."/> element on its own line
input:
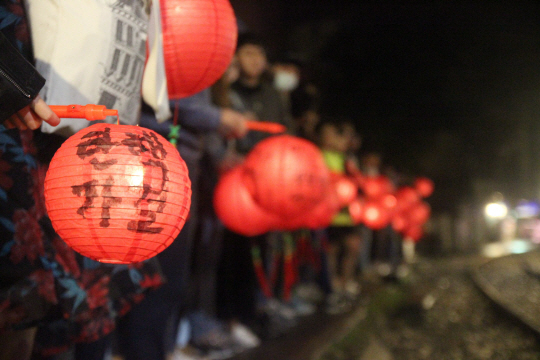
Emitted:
<point x="496" y="210"/>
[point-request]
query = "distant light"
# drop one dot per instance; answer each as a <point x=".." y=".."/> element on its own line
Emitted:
<point x="496" y="210"/>
<point x="519" y="246"/>
<point x="527" y="209"/>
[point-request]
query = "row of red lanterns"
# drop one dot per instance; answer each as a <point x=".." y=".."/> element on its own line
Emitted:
<point x="284" y="185"/>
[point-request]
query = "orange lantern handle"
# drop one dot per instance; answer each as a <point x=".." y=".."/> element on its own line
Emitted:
<point x="266" y="126"/>
<point x="89" y="112"/>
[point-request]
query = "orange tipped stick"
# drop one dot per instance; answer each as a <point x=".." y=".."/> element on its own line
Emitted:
<point x="266" y="126"/>
<point x="89" y="112"/>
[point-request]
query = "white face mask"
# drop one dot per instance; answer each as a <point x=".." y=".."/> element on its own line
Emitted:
<point x="285" y="81"/>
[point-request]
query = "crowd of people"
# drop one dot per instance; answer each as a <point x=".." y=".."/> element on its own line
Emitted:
<point x="213" y="292"/>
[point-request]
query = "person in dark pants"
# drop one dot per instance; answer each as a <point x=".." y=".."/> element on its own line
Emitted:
<point x="148" y="331"/>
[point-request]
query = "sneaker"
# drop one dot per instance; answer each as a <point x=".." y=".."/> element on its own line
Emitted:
<point x="244" y="336"/>
<point x="302" y="307"/>
<point x="337" y="303"/>
<point x="215" y="339"/>
<point x="186" y="353"/>
<point x="309" y="292"/>
<point x="352" y="289"/>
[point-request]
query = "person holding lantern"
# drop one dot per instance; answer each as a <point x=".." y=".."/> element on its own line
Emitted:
<point x="51" y="297"/>
<point x="254" y="95"/>
<point x="197" y="117"/>
<point x="336" y="137"/>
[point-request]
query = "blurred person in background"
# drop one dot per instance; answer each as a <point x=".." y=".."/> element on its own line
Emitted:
<point x="252" y="94"/>
<point x="344" y="240"/>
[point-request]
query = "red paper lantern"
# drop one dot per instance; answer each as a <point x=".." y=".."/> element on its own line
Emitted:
<point x="406" y="197"/>
<point x="236" y="208"/>
<point x="319" y="217"/>
<point x="356" y="210"/>
<point x="117" y="193"/>
<point x="199" y="40"/>
<point x="419" y="213"/>
<point x="389" y="201"/>
<point x="286" y="175"/>
<point x="424" y="186"/>
<point x="376" y="216"/>
<point x="414" y="232"/>
<point x="346" y="189"/>
<point x="375" y="187"/>
<point x="399" y="222"/>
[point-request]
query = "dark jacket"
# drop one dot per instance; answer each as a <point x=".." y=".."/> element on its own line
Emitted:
<point x="20" y="82"/>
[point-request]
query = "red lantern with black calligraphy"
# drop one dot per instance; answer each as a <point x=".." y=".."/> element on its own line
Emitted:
<point x="286" y="175"/>
<point x="117" y="193"/>
<point x="236" y="208"/>
<point x="320" y="216"/>
<point x="199" y="40"/>
<point x="424" y="186"/>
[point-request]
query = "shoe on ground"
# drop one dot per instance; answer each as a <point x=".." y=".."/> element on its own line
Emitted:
<point x="244" y="336"/>
<point x="337" y="303"/>
<point x="186" y="353"/>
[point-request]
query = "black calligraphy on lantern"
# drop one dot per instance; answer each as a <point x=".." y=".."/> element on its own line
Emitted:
<point x="97" y="142"/>
<point x="89" y="191"/>
<point x="153" y="198"/>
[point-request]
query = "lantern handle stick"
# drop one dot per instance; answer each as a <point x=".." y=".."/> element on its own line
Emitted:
<point x="266" y="126"/>
<point x="89" y="112"/>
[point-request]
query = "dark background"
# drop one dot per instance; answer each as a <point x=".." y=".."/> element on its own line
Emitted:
<point x="444" y="89"/>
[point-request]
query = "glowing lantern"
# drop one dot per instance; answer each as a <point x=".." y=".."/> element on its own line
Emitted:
<point x="414" y="232"/>
<point x="322" y="214"/>
<point x="346" y="189"/>
<point x="199" y="40"/>
<point x="419" y="213"/>
<point x="389" y="201"/>
<point x="375" y="187"/>
<point x="286" y="175"/>
<point x="424" y="186"/>
<point x="399" y="222"/>
<point x="406" y="197"/>
<point x="376" y="216"/>
<point x="356" y="210"/>
<point x="236" y="208"/>
<point x="117" y="193"/>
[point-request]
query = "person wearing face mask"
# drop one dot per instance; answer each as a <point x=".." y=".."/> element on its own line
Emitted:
<point x="252" y="94"/>
<point x="286" y="76"/>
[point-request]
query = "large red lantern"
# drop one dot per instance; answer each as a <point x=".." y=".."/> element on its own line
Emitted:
<point x="424" y="186"/>
<point x="236" y="208"/>
<point x="320" y="216"/>
<point x="199" y="40"/>
<point x="286" y="175"/>
<point x="117" y="193"/>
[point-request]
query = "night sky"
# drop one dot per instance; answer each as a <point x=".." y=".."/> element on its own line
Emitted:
<point x="445" y="89"/>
